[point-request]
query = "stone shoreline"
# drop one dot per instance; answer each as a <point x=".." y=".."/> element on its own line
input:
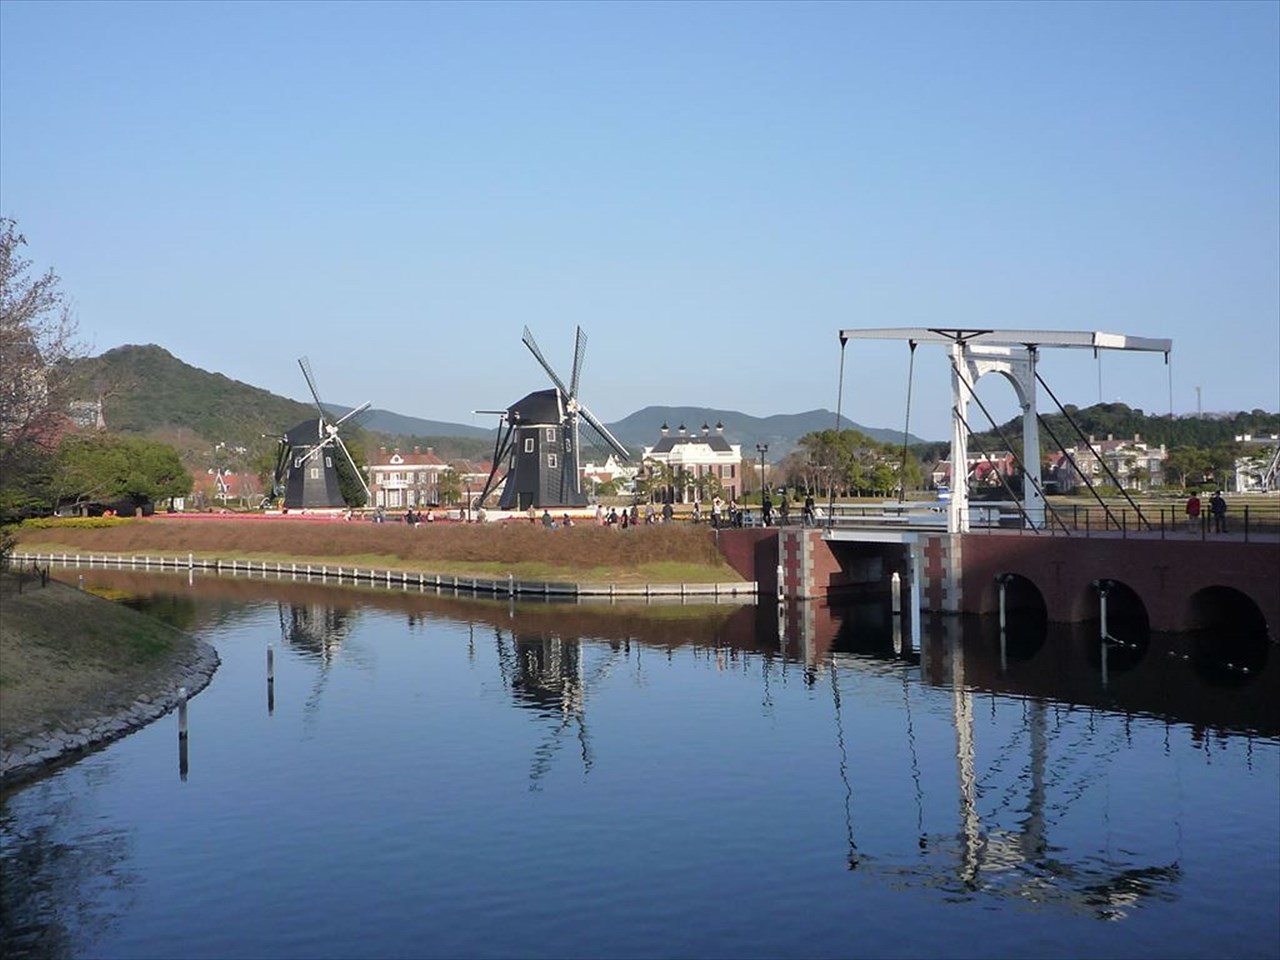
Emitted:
<point x="41" y="752"/>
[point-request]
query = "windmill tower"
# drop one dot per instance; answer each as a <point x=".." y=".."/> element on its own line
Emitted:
<point x="537" y="443"/>
<point x="306" y="465"/>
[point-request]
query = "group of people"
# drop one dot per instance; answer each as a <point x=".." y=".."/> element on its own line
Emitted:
<point x="722" y="514"/>
<point x="1217" y="511"/>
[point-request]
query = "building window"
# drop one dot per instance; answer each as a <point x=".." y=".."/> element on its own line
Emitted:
<point x="314" y="473"/>
<point x="551" y="434"/>
<point x="552" y="461"/>
<point x="528" y="444"/>
<point x="297" y="463"/>
<point x="328" y="462"/>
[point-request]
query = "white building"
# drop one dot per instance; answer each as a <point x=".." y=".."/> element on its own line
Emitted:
<point x="1257" y="467"/>
<point x="621" y="474"/>
<point x="1136" y="464"/>
<point x="685" y="459"/>
<point x="401" y="480"/>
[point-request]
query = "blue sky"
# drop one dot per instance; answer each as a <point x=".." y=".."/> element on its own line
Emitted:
<point x="712" y="190"/>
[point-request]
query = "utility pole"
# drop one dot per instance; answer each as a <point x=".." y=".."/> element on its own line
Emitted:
<point x="1199" y="415"/>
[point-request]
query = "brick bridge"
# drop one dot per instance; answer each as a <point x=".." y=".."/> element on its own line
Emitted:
<point x="1177" y="582"/>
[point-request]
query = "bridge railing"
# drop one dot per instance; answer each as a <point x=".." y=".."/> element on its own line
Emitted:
<point x="1167" y="520"/>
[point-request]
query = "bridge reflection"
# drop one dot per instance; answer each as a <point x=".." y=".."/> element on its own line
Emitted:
<point x="1009" y="802"/>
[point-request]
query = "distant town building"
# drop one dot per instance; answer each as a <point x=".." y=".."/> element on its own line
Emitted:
<point x="224" y="486"/>
<point x="613" y="471"/>
<point x="677" y="464"/>
<point x="87" y="414"/>
<point x="982" y="470"/>
<point x="1258" y="464"/>
<point x="1135" y="464"/>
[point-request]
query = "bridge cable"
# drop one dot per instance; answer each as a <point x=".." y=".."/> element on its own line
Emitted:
<point x="1027" y="474"/>
<point x="853" y="857"/>
<point x="1111" y="517"/>
<point x="831" y="487"/>
<point x="1000" y="476"/>
<point x="1098" y="456"/>
<point x="906" y="427"/>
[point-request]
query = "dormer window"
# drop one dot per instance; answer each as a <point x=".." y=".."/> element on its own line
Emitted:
<point x="397" y="459"/>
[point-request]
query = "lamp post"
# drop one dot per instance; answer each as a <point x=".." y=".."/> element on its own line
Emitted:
<point x="763" y="448"/>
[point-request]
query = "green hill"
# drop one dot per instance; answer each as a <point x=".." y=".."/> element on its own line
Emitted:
<point x="146" y="389"/>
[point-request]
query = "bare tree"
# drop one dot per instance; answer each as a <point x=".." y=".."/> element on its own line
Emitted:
<point x="37" y="343"/>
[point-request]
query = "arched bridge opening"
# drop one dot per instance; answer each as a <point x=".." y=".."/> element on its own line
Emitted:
<point x="1230" y="642"/>
<point x="1024" y="616"/>
<point x="1124" y="626"/>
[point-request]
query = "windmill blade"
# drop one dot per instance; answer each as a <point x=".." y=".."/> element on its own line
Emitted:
<point x="532" y="344"/>
<point x="305" y="364"/>
<point x="350" y="414"/>
<point x="282" y="468"/>
<point x="579" y="351"/>
<point x="351" y="460"/>
<point x="311" y="453"/>
<point x="604" y="433"/>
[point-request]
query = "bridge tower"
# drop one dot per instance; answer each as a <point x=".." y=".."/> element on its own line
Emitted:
<point x="1013" y="354"/>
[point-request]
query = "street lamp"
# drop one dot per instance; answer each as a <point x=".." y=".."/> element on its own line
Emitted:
<point x="763" y="448"/>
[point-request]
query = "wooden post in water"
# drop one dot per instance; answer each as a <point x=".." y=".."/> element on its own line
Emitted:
<point x="271" y="679"/>
<point x="1003" y="580"/>
<point x="182" y="713"/>
<point x="896" y="590"/>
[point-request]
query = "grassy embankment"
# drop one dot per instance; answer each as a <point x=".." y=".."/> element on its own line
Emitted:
<point x="67" y="656"/>
<point x="581" y="554"/>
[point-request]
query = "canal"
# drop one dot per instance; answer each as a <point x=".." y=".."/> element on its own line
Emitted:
<point x="442" y="776"/>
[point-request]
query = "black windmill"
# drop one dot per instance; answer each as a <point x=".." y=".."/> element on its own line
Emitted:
<point x="537" y="445"/>
<point x="306" y="474"/>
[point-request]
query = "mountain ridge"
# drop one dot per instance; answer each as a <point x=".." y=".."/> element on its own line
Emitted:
<point x="146" y="389"/>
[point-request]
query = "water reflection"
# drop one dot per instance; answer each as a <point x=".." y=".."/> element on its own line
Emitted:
<point x="1005" y="768"/>
<point x="56" y="893"/>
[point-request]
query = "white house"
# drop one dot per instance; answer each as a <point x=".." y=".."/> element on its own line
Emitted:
<point x="691" y="457"/>
<point x="398" y="480"/>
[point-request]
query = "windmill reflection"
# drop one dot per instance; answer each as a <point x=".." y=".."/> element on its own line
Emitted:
<point x="545" y="674"/>
<point x="317" y="631"/>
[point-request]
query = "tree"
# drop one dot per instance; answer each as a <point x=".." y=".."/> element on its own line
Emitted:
<point x="37" y="345"/>
<point x="1187" y="464"/>
<point x="109" y="468"/>
<point x="449" y="486"/>
<point x="350" y="483"/>
<point x="657" y="481"/>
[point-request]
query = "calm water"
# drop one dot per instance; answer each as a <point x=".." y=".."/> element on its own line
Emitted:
<point x="451" y="777"/>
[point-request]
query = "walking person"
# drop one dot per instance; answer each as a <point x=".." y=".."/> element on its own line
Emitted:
<point x="1193" y="511"/>
<point x="1218" y="508"/>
